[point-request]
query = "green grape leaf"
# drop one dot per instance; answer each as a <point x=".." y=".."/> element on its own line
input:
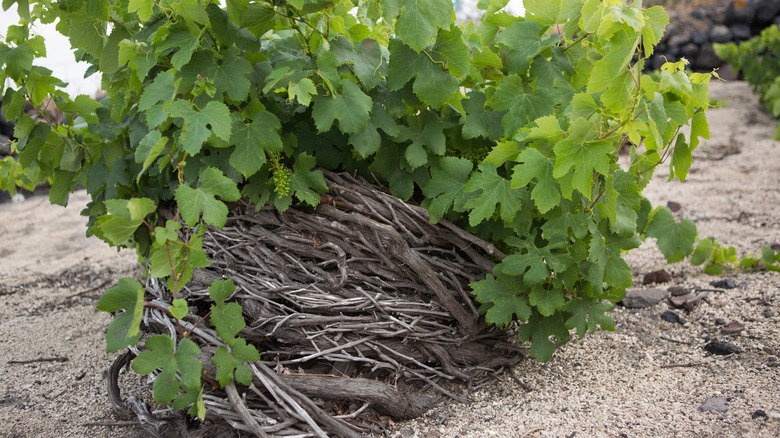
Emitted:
<point x="421" y="19"/>
<point x="193" y="202"/>
<point x="230" y="363"/>
<point x="534" y="263"/>
<point x="351" y="109"/>
<point x="428" y="137"/>
<point x="550" y="13"/>
<point x="253" y="140"/>
<point x="301" y="91"/>
<point x="142" y="8"/>
<point x="149" y="149"/>
<point x="480" y="122"/>
<point x="539" y="330"/>
<point x="227" y="319"/>
<point x="230" y="76"/>
<point x="117" y="230"/>
<point x="446" y="185"/>
<point x="675" y="240"/>
<point x="327" y="69"/>
<point x="587" y="314"/>
<point x="681" y="159"/>
<point x="162" y="89"/>
<point x="124" y="330"/>
<point x="191" y="10"/>
<point x="17" y="59"/>
<point x="523" y="39"/>
<point x="505" y="294"/>
<point x="656" y="20"/>
<point x="704" y="253"/>
<point x="139" y="208"/>
<point x="584" y="158"/>
<point x="82" y="105"/>
<point x="185" y="43"/>
<point x="502" y="152"/>
<point x="365" y="57"/>
<point x="179" y="308"/>
<point x="169" y="233"/>
<point x="608" y="265"/>
<point x="125" y="217"/>
<point x="547" y="302"/>
<point x="523" y="107"/>
<point x="432" y="69"/>
<point x="699" y="128"/>
<point x="194" y="397"/>
<point x="198" y="125"/>
<point x="532" y="164"/>
<point x="303" y="180"/>
<point x="220" y="290"/>
<point x="564" y="220"/>
<point x="87" y="32"/>
<point x="368" y="141"/>
<point x="627" y="203"/>
<point x="160" y="355"/>
<point x="490" y="189"/>
<point x="767" y="254"/>
<point x="259" y="18"/>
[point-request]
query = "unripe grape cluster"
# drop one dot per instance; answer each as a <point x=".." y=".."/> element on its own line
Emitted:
<point x="475" y="155"/>
<point x="281" y="176"/>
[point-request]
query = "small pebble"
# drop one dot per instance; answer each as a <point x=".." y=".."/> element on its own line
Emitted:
<point x="674" y="206"/>
<point x="660" y="276"/>
<point x="716" y="404"/>
<point x="768" y="313"/>
<point x="732" y="328"/>
<point x="672" y="317"/>
<point x="722" y="348"/>
<point x="720" y="321"/>
<point x="759" y="413"/>
<point x="726" y="283"/>
<point x="643" y="298"/>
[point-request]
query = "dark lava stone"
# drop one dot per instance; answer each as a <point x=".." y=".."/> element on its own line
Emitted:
<point x="672" y="317"/>
<point x="722" y="348"/>
<point x="726" y="283"/>
<point x="759" y="413"/>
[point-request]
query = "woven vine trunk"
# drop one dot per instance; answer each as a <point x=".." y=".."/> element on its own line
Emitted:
<point x="360" y="309"/>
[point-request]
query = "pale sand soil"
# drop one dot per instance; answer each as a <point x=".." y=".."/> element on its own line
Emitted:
<point x="608" y="384"/>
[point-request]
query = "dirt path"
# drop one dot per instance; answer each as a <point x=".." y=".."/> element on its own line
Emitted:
<point x="609" y="384"/>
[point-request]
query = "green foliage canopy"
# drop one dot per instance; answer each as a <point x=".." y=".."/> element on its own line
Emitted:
<point x="509" y="127"/>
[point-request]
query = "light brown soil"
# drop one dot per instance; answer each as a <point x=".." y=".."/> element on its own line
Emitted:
<point x="608" y="384"/>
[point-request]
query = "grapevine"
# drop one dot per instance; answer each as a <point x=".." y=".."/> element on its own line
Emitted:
<point x="509" y="128"/>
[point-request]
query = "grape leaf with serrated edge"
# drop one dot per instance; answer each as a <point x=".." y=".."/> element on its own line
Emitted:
<point x="587" y="314"/>
<point x="505" y="293"/>
<point x="445" y="185"/>
<point x="198" y="125"/>
<point x="532" y="164"/>
<point x="230" y="363"/>
<point x="124" y="330"/>
<point x="351" y="109"/>
<point x="253" y="140"/>
<point x="160" y="355"/>
<point x="538" y="330"/>
<point x="193" y="202"/>
<point x="675" y="240"/>
<point x="488" y="190"/>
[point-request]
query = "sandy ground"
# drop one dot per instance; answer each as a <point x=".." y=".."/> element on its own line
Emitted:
<point x="606" y="385"/>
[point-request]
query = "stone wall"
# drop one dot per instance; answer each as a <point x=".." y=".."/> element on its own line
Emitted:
<point x="691" y="35"/>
